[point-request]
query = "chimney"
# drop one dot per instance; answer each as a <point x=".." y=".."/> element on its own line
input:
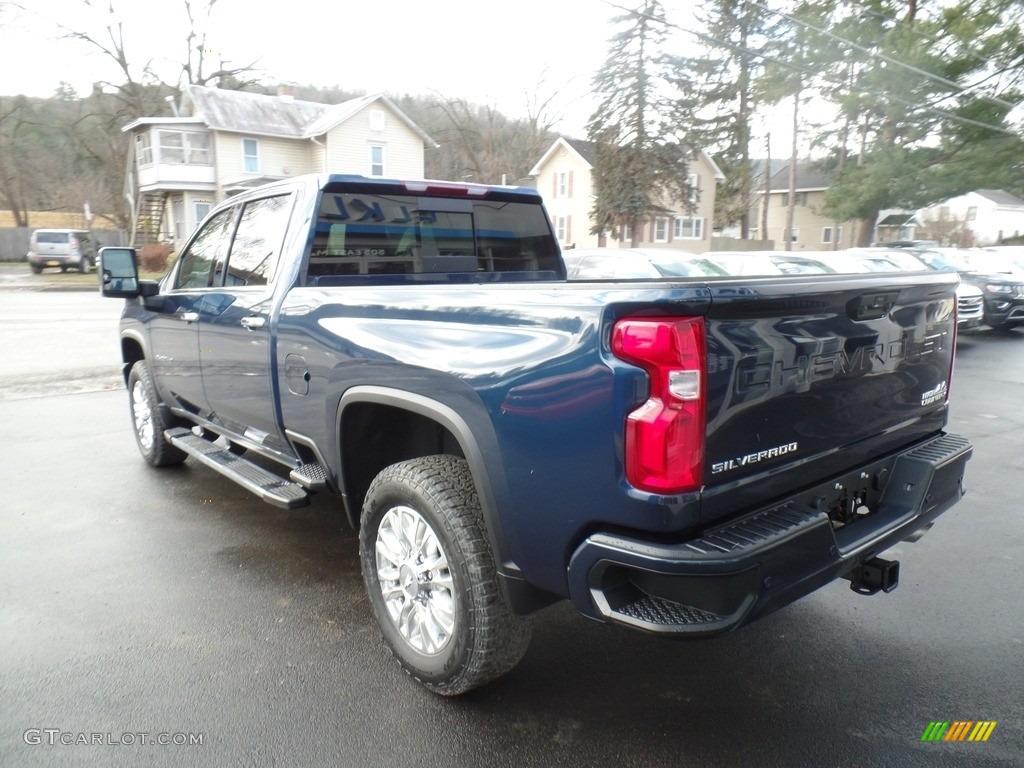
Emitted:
<point x="286" y="93"/>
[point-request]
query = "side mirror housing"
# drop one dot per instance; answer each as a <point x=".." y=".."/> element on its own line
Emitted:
<point x="119" y="273"/>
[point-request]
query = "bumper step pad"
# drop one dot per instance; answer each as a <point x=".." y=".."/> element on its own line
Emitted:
<point x="659" y="611"/>
<point x="264" y="483"/>
<point x="745" y="568"/>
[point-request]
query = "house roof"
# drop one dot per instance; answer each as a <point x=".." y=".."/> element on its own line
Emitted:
<point x="808" y="178"/>
<point x="586" y="150"/>
<point x="258" y="114"/>
<point x="999" y="197"/>
<point x="905" y="219"/>
<point x="171" y="122"/>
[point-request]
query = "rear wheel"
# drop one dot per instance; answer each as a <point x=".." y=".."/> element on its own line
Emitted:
<point x="85" y="265"/>
<point x="36" y="270"/>
<point x="150" y="418"/>
<point x="431" y="577"/>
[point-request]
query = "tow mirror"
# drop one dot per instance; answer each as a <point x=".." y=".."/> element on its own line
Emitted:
<point x="119" y="275"/>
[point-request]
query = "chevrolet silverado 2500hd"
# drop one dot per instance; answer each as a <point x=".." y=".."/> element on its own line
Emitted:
<point x="679" y="456"/>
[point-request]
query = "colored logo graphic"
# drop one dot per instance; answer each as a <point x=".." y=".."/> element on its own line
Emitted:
<point x="958" y="730"/>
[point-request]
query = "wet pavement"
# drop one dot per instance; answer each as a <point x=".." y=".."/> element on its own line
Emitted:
<point x="140" y="606"/>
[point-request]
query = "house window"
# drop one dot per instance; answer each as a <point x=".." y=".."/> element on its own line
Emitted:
<point x="661" y="230"/>
<point x="172" y="147"/>
<point x="563" y="184"/>
<point x="178" y="147"/>
<point x="144" y="149"/>
<point x="250" y="156"/>
<point x="795" y="238"/>
<point x="828" y="232"/>
<point x="800" y="199"/>
<point x="378" y="120"/>
<point x="972" y="212"/>
<point x="689" y="227"/>
<point x="376" y="160"/>
<point x="200" y="209"/>
<point x="627" y="233"/>
<point x="693" y="182"/>
<point x="563" y="226"/>
<point x="197" y="148"/>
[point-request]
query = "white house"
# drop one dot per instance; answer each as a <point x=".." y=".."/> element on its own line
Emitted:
<point x="990" y="214"/>
<point x="564" y="179"/>
<point x="225" y="141"/>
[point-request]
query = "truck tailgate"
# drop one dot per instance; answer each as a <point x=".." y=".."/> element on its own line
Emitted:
<point x="808" y="376"/>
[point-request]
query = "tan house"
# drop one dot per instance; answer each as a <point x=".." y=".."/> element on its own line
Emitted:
<point x="811" y="230"/>
<point x="564" y="179"/>
<point x="223" y="142"/>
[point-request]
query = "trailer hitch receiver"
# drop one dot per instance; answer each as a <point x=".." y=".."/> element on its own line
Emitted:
<point x="875" y="575"/>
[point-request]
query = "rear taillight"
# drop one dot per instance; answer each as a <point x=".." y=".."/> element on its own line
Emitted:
<point x="664" y="450"/>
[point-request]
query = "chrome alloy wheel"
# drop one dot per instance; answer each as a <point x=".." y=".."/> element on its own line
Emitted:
<point x="142" y="414"/>
<point x="415" y="580"/>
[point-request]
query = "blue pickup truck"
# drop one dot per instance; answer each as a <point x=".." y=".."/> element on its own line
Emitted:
<point x="679" y="456"/>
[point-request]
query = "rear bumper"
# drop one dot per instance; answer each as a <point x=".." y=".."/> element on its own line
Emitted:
<point x="55" y="261"/>
<point x="749" y="567"/>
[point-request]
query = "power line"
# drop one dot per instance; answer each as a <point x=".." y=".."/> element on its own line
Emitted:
<point x="816" y="74"/>
<point x="875" y="54"/>
<point x="932" y="39"/>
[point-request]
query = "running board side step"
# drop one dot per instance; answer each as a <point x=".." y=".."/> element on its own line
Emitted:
<point x="254" y="478"/>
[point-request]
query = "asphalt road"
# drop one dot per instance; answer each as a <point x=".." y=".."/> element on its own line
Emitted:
<point x="140" y="606"/>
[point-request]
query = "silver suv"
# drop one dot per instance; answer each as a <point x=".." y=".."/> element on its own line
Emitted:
<point x="62" y="248"/>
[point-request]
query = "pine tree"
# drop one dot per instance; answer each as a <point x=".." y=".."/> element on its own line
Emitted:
<point x="639" y="130"/>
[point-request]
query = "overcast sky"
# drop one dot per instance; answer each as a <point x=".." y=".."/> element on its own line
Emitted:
<point x="513" y="56"/>
<point x="503" y="54"/>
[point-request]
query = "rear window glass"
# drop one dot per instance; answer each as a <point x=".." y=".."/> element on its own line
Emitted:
<point x="52" y="237"/>
<point x="361" y="235"/>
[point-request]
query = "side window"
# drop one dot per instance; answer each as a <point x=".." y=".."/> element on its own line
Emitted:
<point x="209" y="245"/>
<point x="257" y="242"/>
<point x="250" y="156"/>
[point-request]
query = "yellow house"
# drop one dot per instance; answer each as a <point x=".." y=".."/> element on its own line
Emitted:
<point x="222" y="142"/>
<point x="811" y="230"/>
<point x="564" y="179"/>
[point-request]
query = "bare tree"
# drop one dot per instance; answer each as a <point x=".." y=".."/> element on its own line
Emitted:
<point x="97" y="147"/>
<point x="480" y="143"/>
<point x="197" y="54"/>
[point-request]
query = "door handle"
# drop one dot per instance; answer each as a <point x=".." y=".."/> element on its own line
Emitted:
<point x="253" y="323"/>
<point x="189" y="317"/>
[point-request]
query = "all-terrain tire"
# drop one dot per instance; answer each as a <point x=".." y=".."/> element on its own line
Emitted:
<point x="150" y="417"/>
<point x="431" y="577"/>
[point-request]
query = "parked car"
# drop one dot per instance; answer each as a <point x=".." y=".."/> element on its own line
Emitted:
<point x="744" y="263"/>
<point x="886" y="259"/>
<point x="996" y="259"/>
<point x="1001" y="281"/>
<point x="62" y="248"/>
<point x="636" y="264"/>
<point x="969" y="298"/>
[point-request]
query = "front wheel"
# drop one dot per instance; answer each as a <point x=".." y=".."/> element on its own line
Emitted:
<point x="150" y="418"/>
<point x="431" y="577"/>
